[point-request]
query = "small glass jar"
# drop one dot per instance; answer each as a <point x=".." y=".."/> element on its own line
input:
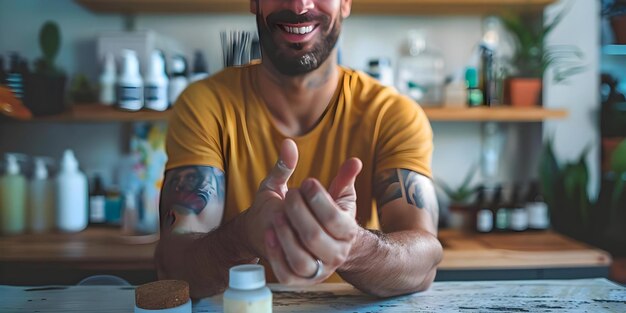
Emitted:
<point x="246" y="291"/>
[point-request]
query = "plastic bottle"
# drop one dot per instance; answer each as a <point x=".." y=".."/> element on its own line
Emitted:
<point x="474" y="94"/>
<point x="130" y="84"/>
<point x="381" y="69"/>
<point x="421" y="73"/>
<point x="12" y="197"/>
<point x="179" y="81"/>
<point x="200" y="68"/>
<point x="246" y="291"/>
<point x="97" y="202"/>
<point x="41" y="199"/>
<point x="130" y="217"/>
<point x="156" y="84"/>
<point x="107" y="81"/>
<point x="71" y="195"/>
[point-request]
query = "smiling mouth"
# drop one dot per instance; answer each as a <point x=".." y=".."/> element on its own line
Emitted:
<point x="297" y="30"/>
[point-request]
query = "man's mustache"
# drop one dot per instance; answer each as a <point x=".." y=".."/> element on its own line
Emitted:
<point x="288" y="17"/>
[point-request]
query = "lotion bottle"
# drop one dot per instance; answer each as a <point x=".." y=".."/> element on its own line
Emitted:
<point x="130" y="84"/>
<point x="41" y="199"/>
<point x="12" y="198"/>
<point x="107" y="81"/>
<point x="72" y="194"/>
<point x="156" y="84"/>
<point x="246" y="291"/>
<point x="179" y="81"/>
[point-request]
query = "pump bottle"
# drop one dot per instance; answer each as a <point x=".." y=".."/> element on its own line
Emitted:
<point x="41" y="199"/>
<point x="156" y="84"/>
<point x="12" y="198"/>
<point x="71" y="195"/>
<point x="130" y="84"/>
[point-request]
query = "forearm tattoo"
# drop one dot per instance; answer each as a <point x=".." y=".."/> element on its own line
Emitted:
<point x="416" y="189"/>
<point x="189" y="190"/>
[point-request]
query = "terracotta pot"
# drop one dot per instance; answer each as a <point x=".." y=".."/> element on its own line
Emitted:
<point x="618" y="23"/>
<point x="523" y="92"/>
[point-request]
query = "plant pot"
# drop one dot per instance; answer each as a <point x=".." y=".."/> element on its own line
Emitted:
<point x="618" y="23"/>
<point x="45" y="94"/>
<point x="523" y="92"/>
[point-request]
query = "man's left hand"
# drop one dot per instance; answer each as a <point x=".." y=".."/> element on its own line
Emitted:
<point x="316" y="224"/>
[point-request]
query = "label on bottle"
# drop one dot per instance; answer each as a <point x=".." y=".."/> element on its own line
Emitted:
<point x="130" y="97"/>
<point x="156" y="97"/>
<point x="484" y="221"/>
<point x="97" y="209"/>
<point x="502" y="219"/>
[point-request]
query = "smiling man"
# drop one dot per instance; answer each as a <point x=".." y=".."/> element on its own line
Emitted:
<point x="313" y="169"/>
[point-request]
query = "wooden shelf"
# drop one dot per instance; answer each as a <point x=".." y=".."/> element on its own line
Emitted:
<point x="102" y="113"/>
<point x="496" y="114"/>
<point x="377" y="7"/>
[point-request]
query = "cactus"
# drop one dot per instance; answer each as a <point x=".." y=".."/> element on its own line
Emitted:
<point x="50" y="43"/>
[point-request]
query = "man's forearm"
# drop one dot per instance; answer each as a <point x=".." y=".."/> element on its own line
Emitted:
<point x="392" y="264"/>
<point x="203" y="259"/>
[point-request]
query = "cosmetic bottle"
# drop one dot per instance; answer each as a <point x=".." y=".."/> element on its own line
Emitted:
<point x="41" y="199"/>
<point x="156" y="84"/>
<point x="129" y="83"/>
<point x="71" y="195"/>
<point x="12" y="197"/>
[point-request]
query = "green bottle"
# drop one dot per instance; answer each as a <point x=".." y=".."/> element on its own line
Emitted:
<point x="12" y="198"/>
<point x="474" y="94"/>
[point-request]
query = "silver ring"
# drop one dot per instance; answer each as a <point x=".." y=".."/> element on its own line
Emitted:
<point x="318" y="270"/>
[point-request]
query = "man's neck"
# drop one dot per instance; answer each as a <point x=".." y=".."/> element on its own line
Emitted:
<point x="297" y="103"/>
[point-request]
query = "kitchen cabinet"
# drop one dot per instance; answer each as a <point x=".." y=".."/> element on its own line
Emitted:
<point x="404" y="7"/>
<point x="102" y="113"/>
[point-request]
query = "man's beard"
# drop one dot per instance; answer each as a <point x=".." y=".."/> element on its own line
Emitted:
<point x="284" y="61"/>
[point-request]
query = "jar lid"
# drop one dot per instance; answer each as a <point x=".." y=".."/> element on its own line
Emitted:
<point x="247" y="277"/>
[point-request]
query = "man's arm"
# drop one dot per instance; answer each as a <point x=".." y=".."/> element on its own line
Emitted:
<point x="403" y="257"/>
<point x="192" y="246"/>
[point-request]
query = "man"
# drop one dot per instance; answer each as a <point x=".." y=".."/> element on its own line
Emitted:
<point x="282" y="161"/>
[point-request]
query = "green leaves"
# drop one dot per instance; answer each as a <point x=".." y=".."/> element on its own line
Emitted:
<point x="618" y="166"/>
<point x="50" y="43"/>
<point x="462" y="194"/>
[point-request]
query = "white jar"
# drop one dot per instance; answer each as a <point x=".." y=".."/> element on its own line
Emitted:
<point x="246" y="291"/>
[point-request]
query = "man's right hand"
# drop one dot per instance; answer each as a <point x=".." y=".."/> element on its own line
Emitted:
<point x="270" y="197"/>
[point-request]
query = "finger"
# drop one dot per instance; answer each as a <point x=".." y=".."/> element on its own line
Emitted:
<point x="276" y="258"/>
<point x="311" y="234"/>
<point x="335" y="221"/>
<point x="277" y="179"/>
<point x="346" y="176"/>
<point x="300" y="261"/>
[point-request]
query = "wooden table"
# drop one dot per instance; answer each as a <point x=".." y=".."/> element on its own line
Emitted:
<point x="66" y="258"/>
<point x="587" y="295"/>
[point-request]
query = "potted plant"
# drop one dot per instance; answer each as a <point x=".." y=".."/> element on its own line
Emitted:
<point x="460" y="201"/>
<point x="572" y="211"/>
<point x="45" y="87"/>
<point x="532" y="57"/>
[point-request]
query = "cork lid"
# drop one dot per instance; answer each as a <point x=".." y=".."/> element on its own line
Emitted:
<point x="162" y="294"/>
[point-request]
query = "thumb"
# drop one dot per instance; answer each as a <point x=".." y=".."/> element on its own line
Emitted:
<point x="277" y="179"/>
<point x="343" y="184"/>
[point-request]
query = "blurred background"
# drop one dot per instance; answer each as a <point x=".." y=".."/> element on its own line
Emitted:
<point x="525" y="97"/>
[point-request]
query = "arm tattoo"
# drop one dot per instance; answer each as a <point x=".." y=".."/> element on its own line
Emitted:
<point x="416" y="189"/>
<point x="189" y="190"/>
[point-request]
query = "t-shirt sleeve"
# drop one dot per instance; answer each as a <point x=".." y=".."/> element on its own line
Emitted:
<point x="405" y="138"/>
<point x="194" y="131"/>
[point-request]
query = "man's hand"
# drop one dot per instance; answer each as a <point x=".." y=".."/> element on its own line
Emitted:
<point x="315" y="224"/>
<point x="269" y="198"/>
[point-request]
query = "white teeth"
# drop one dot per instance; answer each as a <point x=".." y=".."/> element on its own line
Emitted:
<point x="298" y="30"/>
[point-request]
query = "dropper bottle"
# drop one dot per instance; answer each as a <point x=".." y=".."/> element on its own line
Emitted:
<point x="13" y="197"/>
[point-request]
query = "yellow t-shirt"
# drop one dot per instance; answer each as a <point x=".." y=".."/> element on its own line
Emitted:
<point x="223" y="122"/>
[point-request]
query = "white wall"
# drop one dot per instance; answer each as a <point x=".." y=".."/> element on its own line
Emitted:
<point x="580" y="94"/>
<point x="457" y="145"/>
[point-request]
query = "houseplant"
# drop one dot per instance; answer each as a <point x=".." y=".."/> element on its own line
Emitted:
<point x="45" y="87"/>
<point x="572" y="210"/>
<point x="460" y="206"/>
<point x="532" y="57"/>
